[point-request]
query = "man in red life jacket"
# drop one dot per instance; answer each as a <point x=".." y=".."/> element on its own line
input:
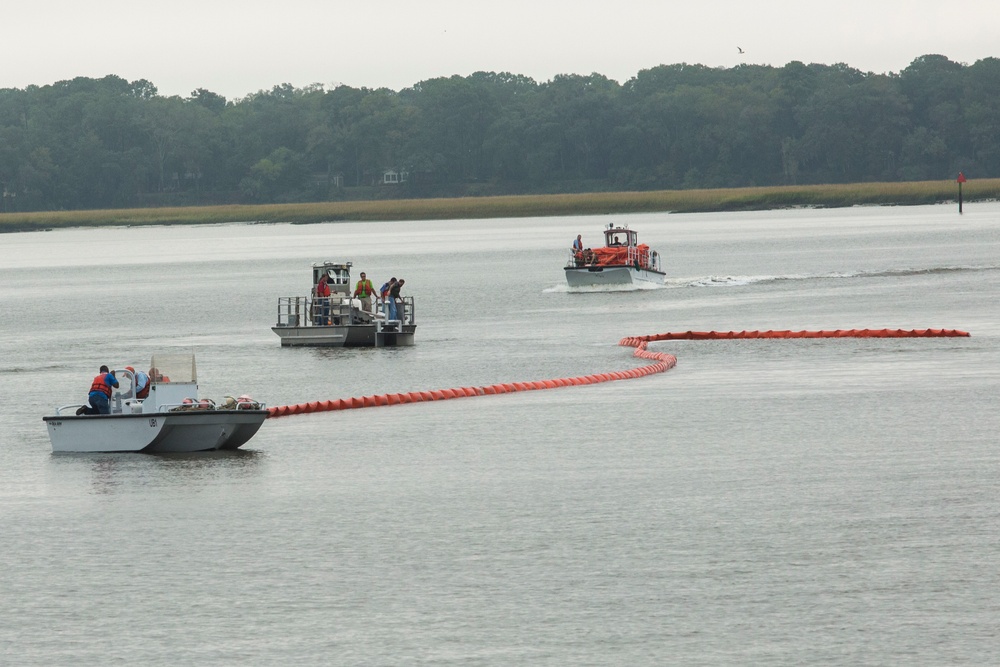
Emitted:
<point x="323" y="300"/>
<point x="141" y="382"/>
<point x="100" y="393"/>
<point x="364" y="291"/>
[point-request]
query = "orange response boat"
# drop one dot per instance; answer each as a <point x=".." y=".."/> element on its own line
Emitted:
<point x="622" y="261"/>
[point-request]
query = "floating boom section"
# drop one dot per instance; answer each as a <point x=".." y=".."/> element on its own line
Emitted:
<point x="837" y="333"/>
<point x="662" y="362"/>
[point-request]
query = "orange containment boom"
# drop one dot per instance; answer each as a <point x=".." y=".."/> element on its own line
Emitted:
<point x="662" y="362"/>
<point x="837" y="333"/>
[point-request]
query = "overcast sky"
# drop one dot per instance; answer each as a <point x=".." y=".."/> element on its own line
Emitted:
<point x="237" y="47"/>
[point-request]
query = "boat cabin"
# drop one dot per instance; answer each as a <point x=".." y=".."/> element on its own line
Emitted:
<point x="338" y="276"/>
<point x="617" y="236"/>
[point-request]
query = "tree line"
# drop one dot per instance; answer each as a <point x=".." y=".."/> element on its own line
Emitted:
<point x="109" y="143"/>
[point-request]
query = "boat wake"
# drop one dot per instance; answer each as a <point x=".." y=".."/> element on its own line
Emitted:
<point x="739" y="281"/>
<point x="589" y="289"/>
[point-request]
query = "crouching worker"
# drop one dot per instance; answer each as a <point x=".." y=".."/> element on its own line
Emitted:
<point x="141" y="382"/>
<point x="100" y="393"/>
<point x="384" y="293"/>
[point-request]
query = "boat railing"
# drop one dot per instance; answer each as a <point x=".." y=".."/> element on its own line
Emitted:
<point x="115" y="407"/>
<point x="643" y="257"/>
<point x="653" y="261"/>
<point x="580" y="258"/>
<point x="294" y="311"/>
<point x="405" y="311"/>
<point x="306" y="311"/>
<point x="206" y="404"/>
<point x="194" y="406"/>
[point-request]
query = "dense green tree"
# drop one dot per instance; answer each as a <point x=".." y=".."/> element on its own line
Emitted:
<point x="109" y="142"/>
<point x="982" y="115"/>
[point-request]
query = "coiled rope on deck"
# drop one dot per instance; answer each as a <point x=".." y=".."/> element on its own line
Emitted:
<point x="663" y="362"/>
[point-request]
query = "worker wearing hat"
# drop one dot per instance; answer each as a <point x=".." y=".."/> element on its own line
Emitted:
<point x="141" y="382"/>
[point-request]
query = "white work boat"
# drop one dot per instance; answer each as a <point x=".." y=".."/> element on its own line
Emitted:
<point x="621" y="262"/>
<point x="340" y="320"/>
<point x="171" y="419"/>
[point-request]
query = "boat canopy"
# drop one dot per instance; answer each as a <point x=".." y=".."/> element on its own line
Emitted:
<point x="619" y="236"/>
<point x="173" y="367"/>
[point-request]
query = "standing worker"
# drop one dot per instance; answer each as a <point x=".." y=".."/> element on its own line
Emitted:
<point x="100" y="393"/>
<point x="364" y="291"/>
<point x="397" y="310"/>
<point x="322" y="316"/>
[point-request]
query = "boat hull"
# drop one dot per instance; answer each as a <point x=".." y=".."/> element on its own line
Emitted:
<point x="354" y="335"/>
<point x="155" y="433"/>
<point x="589" y="276"/>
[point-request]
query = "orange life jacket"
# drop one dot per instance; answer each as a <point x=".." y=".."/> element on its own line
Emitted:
<point x="101" y="385"/>
<point x="144" y="392"/>
<point x="364" y="288"/>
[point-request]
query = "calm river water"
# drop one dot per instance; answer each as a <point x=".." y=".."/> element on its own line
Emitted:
<point x="767" y="502"/>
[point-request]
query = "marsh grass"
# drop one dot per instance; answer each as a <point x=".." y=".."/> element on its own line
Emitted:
<point x="598" y="203"/>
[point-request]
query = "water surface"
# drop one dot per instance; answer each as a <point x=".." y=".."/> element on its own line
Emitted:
<point x="765" y="502"/>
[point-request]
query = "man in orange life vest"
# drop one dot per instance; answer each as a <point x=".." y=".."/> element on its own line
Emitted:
<point x="364" y="292"/>
<point x="100" y="393"/>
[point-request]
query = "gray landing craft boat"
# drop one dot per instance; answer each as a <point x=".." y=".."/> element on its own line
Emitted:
<point x="621" y="262"/>
<point x="171" y="419"/>
<point x="341" y="320"/>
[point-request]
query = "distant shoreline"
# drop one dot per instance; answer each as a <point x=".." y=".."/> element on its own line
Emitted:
<point x="520" y="206"/>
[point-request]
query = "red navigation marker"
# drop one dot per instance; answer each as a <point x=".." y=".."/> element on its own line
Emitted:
<point x="961" y="179"/>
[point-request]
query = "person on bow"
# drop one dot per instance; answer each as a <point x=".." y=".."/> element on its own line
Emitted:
<point x="363" y="291"/>
<point x="100" y="393"/>
<point x="578" y="250"/>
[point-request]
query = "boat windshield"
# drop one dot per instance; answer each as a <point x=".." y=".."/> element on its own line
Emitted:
<point x="339" y="276"/>
<point x="617" y="236"/>
<point x="173" y="368"/>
